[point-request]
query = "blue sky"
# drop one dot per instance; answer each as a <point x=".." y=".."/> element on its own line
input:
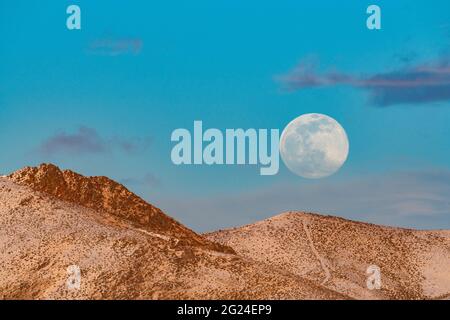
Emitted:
<point x="136" y="71"/>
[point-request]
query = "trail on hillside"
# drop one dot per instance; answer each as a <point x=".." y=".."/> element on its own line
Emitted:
<point x="322" y="261"/>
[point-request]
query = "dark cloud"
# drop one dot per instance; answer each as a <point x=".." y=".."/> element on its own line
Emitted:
<point x="87" y="141"/>
<point x="409" y="85"/>
<point x="418" y="199"/>
<point x="112" y="46"/>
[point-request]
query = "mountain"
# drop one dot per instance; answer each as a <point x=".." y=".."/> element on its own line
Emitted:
<point x="102" y="194"/>
<point x="52" y="221"/>
<point x="336" y="253"/>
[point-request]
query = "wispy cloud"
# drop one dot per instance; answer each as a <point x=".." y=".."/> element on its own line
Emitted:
<point x="428" y="82"/>
<point x="113" y="46"/>
<point x="88" y="141"/>
<point x="147" y="180"/>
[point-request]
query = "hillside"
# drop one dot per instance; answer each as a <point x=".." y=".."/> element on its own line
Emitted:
<point x="125" y="248"/>
<point x="336" y="253"/>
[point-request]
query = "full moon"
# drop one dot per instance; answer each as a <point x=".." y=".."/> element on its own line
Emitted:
<point x="314" y="146"/>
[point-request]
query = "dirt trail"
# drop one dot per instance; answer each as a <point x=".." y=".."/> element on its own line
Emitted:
<point x="322" y="261"/>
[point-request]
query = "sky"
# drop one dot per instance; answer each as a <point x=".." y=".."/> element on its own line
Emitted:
<point x="105" y="99"/>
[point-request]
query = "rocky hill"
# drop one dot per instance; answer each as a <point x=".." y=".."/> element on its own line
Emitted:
<point x="53" y="221"/>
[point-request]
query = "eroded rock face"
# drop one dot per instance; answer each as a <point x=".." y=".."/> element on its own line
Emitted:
<point x="105" y="195"/>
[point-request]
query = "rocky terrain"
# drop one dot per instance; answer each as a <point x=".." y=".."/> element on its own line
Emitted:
<point x="126" y="248"/>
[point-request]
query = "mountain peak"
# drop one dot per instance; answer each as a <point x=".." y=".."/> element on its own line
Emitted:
<point x="105" y="195"/>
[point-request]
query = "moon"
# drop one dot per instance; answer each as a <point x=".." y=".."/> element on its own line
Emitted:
<point x="314" y="146"/>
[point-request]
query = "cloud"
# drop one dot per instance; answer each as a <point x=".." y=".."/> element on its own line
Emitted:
<point x="130" y="146"/>
<point x="87" y="141"/>
<point x="413" y="84"/>
<point x="419" y="199"/>
<point x="111" y="46"/>
<point x="148" y="180"/>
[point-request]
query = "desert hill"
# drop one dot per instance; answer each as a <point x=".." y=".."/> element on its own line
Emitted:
<point x="125" y="248"/>
<point x="102" y="194"/>
<point x="336" y="253"/>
